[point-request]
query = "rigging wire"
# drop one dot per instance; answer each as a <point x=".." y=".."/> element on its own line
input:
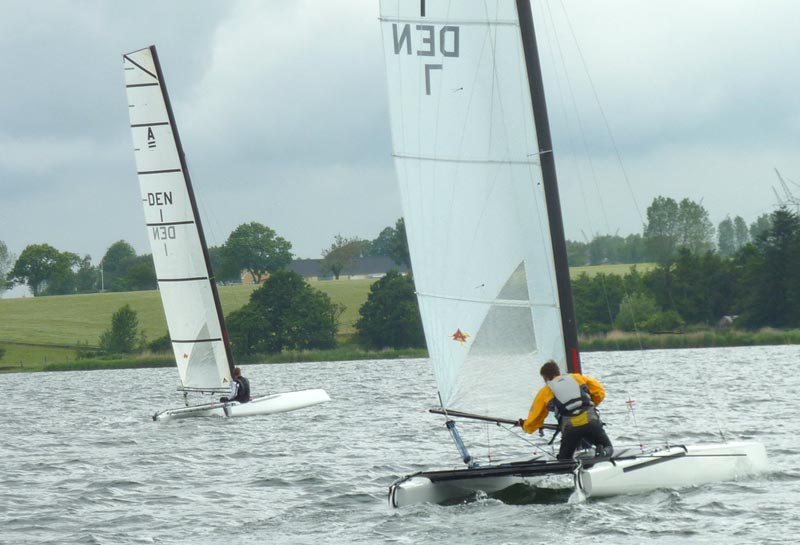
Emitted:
<point x="602" y="113"/>
<point x="559" y="60"/>
<point x="558" y="52"/>
<point x="581" y="130"/>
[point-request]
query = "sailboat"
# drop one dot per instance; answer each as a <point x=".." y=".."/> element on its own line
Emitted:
<point x="180" y="254"/>
<point x="475" y="166"/>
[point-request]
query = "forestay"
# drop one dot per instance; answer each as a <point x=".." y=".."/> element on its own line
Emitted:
<point x="184" y="275"/>
<point x="467" y="161"/>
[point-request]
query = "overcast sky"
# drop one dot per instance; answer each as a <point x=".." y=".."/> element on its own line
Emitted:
<point x="282" y="110"/>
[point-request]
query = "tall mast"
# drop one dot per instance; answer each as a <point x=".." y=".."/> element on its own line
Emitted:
<point x="548" y="164"/>
<point x="195" y="212"/>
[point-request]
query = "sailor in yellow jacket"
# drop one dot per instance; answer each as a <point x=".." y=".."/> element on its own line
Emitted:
<point x="572" y="398"/>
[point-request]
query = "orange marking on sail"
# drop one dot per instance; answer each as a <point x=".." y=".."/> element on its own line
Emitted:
<point x="460" y="336"/>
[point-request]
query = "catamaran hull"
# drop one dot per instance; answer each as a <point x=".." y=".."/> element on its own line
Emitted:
<point x="669" y="467"/>
<point x="673" y="467"/>
<point x="465" y="484"/>
<point x="269" y="404"/>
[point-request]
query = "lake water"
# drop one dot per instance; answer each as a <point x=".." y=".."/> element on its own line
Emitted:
<point x="81" y="461"/>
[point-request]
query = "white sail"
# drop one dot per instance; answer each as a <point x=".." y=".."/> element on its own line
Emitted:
<point x="184" y="277"/>
<point x="467" y="161"/>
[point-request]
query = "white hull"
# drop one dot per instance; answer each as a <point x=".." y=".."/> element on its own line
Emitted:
<point x="673" y="467"/>
<point x="669" y="467"/>
<point x="269" y="404"/>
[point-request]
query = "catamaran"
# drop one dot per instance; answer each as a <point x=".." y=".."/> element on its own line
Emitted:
<point x="180" y="254"/>
<point x="475" y="166"/>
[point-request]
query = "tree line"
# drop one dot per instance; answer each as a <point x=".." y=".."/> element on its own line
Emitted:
<point x="756" y="286"/>
<point x="287" y="313"/>
<point x="251" y="247"/>
<point x="749" y="274"/>
<point x="671" y="226"/>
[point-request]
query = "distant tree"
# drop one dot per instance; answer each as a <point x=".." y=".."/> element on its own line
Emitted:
<point x="769" y="290"/>
<point x="740" y="232"/>
<point x="224" y="270"/>
<point x="342" y="253"/>
<point x="87" y="277"/>
<point x="161" y="344"/>
<point x="6" y="262"/>
<point x="577" y="253"/>
<point x="380" y="247"/>
<point x="726" y="238"/>
<point x="608" y="249"/>
<point x="664" y="322"/>
<point x="760" y="226"/>
<point x="596" y="298"/>
<point x="695" y="230"/>
<point x="123" y="336"/>
<point x="36" y="266"/>
<point x="140" y="273"/>
<point x="699" y="287"/>
<point x="257" y="249"/>
<point x="251" y="331"/>
<point x="286" y="313"/>
<point x="114" y="266"/>
<point x="662" y="229"/>
<point x="671" y="226"/>
<point x="63" y="280"/>
<point x="635" y="250"/>
<point x="732" y="235"/>
<point x="398" y="246"/>
<point x="390" y="316"/>
<point x="634" y="310"/>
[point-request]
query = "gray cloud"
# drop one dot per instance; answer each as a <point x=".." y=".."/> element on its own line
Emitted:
<point x="282" y="111"/>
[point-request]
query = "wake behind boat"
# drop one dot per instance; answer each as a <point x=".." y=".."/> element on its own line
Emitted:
<point x="180" y="255"/>
<point x="475" y="166"/>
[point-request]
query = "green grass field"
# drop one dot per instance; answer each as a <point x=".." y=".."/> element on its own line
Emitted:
<point x="41" y="330"/>
<point x="617" y="268"/>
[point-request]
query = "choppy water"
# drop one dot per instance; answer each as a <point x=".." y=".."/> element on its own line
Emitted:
<point x="82" y="462"/>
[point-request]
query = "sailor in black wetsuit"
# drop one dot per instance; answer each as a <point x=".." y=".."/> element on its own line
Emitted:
<point x="240" y="388"/>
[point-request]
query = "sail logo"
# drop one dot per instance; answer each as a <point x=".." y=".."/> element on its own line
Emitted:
<point x="459" y="336"/>
<point x="151" y="138"/>
<point x="428" y="42"/>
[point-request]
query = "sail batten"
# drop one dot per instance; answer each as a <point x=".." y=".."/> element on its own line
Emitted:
<point x="186" y="282"/>
<point x="498" y="302"/>
<point x="163" y="171"/>
<point x="429" y="20"/>
<point x="467" y="160"/>
<point x="468" y="163"/>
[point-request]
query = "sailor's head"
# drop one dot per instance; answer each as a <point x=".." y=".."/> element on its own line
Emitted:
<point x="549" y="371"/>
<point x="237" y="372"/>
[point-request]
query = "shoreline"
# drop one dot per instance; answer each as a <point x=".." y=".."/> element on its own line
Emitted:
<point x="611" y="342"/>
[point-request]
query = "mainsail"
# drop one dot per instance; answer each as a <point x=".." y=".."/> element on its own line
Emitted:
<point x="185" y="280"/>
<point x="469" y="167"/>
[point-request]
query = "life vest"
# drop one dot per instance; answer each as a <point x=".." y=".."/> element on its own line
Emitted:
<point x="570" y="398"/>
<point x="243" y="393"/>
